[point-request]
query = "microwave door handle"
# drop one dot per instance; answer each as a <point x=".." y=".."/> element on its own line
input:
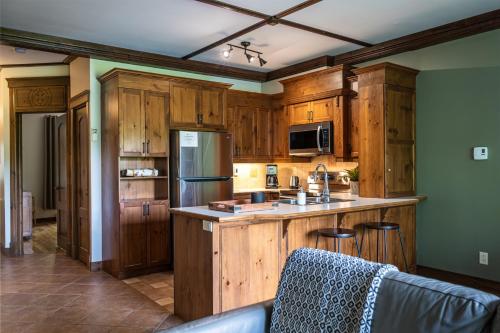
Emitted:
<point x="318" y="134"/>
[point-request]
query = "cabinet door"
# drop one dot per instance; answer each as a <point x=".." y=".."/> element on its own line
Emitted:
<point x="156" y="111"/>
<point x="213" y="113"/>
<point x="184" y="105"/>
<point x="132" y="142"/>
<point x="262" y="130"/>
<point x="300" y="113"/>
<point x="159" y="233"/>
<point x="322" y="110"/>
<point x="133" y="236"/>
<point x="354" y="124"/>
<point x="400" y="142"/>
<point x="231" y="125"/>
<point x="244" y="132"/>
<point x="280" y="133"/>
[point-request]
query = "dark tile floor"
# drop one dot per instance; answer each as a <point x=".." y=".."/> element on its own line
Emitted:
<point x="53" y="293"/>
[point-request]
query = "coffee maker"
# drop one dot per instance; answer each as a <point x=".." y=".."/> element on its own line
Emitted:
<point x="271" y="176"/>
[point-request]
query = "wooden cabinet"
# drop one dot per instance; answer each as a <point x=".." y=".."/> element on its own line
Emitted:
<point x="250" y="119"/>
<point x="133" y="236"/>
<point x="386" y="130"/>
<point x="280" y="124"/>
<point x="143" y="122"/>
<point x="136" y="223"/>
<point x="353" y="116"/>
<point x="196" y="105"/>
<point x="311" y="112"/>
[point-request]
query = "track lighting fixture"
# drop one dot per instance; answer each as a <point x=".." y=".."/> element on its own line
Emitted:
<point x="246" y="51"/>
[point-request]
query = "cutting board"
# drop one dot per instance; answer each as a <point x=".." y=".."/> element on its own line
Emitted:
<point x="241" y="206"/>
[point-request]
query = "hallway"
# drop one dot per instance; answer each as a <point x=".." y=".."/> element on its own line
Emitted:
<point x="53" y="293"/>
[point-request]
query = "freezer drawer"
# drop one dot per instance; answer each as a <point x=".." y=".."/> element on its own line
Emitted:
<point x="199" y="191"/>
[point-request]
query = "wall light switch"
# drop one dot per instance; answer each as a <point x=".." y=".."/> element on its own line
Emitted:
<point x="483" y="258"/>
<point x="207" y="225"/>
<point x="480" y="153"/>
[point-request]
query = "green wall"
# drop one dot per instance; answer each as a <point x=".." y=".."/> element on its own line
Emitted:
<point x="456" y="110"/>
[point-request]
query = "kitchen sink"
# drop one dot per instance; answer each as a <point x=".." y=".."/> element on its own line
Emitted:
<point x="312" y="201"/>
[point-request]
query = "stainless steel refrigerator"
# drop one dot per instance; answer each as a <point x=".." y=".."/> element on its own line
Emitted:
<point x="201" y="167"/>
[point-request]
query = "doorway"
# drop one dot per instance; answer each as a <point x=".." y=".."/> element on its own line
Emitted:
<point x="67" y="176"/>
<point x="43" y="165"/>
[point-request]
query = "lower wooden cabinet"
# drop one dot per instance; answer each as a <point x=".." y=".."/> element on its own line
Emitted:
<point x="144" y="237"/>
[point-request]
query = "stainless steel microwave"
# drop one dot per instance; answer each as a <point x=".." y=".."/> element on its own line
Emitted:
<point x="311" y="139"/>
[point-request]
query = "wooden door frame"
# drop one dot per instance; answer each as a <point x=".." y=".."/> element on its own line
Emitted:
<point x="75" y="103"/>
<point x="28" y="95"/>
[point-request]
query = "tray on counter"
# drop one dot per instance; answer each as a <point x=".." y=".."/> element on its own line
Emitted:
<point x="241" y="206"/>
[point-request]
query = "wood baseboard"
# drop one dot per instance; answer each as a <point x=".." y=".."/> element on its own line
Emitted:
<point x="489" y="286"/>
<point x="5" y="250"/>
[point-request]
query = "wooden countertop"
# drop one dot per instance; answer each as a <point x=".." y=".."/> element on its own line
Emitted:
<point x="285" y="211"/>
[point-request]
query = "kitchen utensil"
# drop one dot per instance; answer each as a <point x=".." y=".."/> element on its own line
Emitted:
<point x="258" y="197"/>
<point x="294" y="182"/>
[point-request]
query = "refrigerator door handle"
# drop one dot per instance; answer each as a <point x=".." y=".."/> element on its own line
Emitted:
<point x="204" y="179"/>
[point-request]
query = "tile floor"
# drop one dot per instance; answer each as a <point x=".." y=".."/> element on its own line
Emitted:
<point x="159" y="287"/>
<point x="53" y="293"/>
<point x="44" y="238"/>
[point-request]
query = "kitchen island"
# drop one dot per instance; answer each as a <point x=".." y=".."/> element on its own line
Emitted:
<point x="224" y="261"/>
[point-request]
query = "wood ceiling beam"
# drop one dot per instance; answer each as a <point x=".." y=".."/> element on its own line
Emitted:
<point x="87" y="49"/>
<point x="444" y="33"/>
<point x="268" y="19"/>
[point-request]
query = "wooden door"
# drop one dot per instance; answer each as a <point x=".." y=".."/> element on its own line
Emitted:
<point x="184" y="105"/>
<point x="159" y="233"/>
<point x="322" y="110"/>
<point x="156" y="129"/>
<point x="244" y="132"/>
<point x="212" y="110"/>
<point x="263" y="134"/>
<point x="62" y="217"/>
<point x="132" y="141"/>
<point x="280" y="133"/>
<point x="133" y="236"/>
<point x="81" y="168"/>
<point x="300" y="113"/>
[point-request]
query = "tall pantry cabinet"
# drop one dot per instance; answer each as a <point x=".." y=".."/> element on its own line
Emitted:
<point x="386" y="94"/>
<point x="136" y="223"/>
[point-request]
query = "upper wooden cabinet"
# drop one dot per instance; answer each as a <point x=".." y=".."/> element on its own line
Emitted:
<point x="321" y="96"/>
<point x="386" y="130"/>
<point x="143" y="122"/>
<point x="196" y="105"/>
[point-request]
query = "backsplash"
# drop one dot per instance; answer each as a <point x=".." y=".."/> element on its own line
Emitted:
<point x="253" y="175"/>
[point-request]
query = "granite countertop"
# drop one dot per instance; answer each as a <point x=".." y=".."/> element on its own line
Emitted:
<point x="285" y="211"/>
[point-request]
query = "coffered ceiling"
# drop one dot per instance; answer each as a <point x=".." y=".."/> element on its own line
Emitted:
<point x="179" y="27"/>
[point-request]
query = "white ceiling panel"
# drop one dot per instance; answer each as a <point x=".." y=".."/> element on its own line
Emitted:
<point x="378" y="21"/>
<point x="171" y="27"/>
<point x="9" y="56"/>
<point x="281" y="46"/>
<point x="179" y="27"/>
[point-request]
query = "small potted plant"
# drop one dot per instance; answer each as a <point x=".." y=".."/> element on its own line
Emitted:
<point x="353" y="175"/>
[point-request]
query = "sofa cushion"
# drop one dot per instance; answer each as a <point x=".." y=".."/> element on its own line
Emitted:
<point x="409" y="303"/>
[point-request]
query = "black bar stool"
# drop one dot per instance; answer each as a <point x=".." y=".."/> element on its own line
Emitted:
<point x="384" y="227"/>
<point x="338" y="234"/>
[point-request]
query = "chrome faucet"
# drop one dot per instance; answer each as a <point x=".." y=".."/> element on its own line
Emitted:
<point x="325" y="195"/>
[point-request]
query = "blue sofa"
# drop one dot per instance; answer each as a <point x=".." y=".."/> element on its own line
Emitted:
<point x="405" y="303"/>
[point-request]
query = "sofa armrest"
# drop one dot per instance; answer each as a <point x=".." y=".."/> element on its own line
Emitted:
<point x="250" y="319"/>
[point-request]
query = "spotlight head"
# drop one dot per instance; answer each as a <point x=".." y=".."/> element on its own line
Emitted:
<point x="250" y="57"/>
<point x="262" y="61"/>
<point x="227" y="53"/>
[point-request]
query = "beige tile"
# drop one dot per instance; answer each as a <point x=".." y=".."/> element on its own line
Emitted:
<point x="165" y="301"/>
<point x="132" y="280"/>
<point x="159" y="285"/>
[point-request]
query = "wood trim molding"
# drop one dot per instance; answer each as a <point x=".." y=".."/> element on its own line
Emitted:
<point x="462" y="279"/>
<point x="95" y="266"/>
<point x="319" y="62"/>
<point x="87" y="49"/>
<point x="34" y="65"/>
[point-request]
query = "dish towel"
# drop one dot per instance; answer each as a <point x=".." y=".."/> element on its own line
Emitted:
<point x="322" y="291"/>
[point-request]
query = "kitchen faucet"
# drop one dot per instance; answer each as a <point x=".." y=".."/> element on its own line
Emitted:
<point x="325" y="195"/>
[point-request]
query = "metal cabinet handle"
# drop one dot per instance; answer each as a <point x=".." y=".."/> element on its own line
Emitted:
<point x="147" y="147"/>
<point x="144" y="148"/>
<point x="318" y="133"/>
